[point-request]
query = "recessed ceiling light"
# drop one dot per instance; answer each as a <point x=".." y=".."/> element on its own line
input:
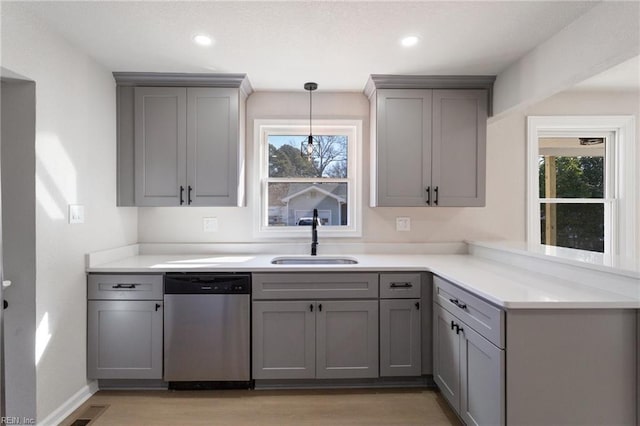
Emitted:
<point x="202" y="40"/>
<point x="409" y="41"/>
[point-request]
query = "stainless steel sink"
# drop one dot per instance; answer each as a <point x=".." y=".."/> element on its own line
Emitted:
<point x="313" y="260"/>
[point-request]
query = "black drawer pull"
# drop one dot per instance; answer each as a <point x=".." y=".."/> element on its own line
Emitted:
<point x="311" y="307"/>
<point x="458" y="303"/>
<point x="401" y="285"/>
<point x="320" y="307"/>
<point x="418" y="305"/>
<point x="124" y="286"/>
<point x="158" y="306"/>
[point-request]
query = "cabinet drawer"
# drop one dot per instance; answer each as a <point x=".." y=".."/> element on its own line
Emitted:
<point x="400" y="286"/>
<point x="315" y="286"/>
<point x="124" y="287"/>
<point x="483" y="317"/>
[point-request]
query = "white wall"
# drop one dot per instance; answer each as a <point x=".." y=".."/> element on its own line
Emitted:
<point x="427" y="224"/>
<point x="75" y="164"/>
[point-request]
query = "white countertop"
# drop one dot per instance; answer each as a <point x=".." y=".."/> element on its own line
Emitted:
<point x="501" y="284"/>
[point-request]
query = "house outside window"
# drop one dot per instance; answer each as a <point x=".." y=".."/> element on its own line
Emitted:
<point x="581" y="184"/>
<point x="294" y="184"/>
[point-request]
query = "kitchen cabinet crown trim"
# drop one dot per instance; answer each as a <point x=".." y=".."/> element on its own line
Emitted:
<point x="391" y="81"/>
<point x="240" y="81"/>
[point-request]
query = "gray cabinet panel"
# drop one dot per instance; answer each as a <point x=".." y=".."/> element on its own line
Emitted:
<point x="124" y="287"/>
<point x="480" y="315"/>
<point x="124" y="339"/>
<point x="571" y="367"/>
<point x="403" y="147"/>
<point x="426" y="309"/>
<point x="482" y="395"/>
<point x="126" y="147"/>
<point x="459" y="139"/>
<point x="400" y="286"/>
<point x="446" y="356"/>
<point x="160" y="145"/>
<point x="400" y="343"/>
<point x="212" y="146"/>
<point x="279" y="286"/>
<point x="284" y="340"/>
<point x="347" y="339"/>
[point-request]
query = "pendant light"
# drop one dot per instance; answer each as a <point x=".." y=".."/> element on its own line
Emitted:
<point x="309" y="146"/>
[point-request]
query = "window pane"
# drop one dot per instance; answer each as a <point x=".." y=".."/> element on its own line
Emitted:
<point x="292" y="204"/>
<point x="328" y="159"/>
<point x="571" y="167"/>
<point x="578" y="226"/>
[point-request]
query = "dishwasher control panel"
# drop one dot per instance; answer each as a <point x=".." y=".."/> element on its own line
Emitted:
<point x="197" y="283"/>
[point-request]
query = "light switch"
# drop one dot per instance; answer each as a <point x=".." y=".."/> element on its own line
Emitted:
<point x="403" y="224"/>
<point x="210" y="224"/>
<point x="76" y="213"/>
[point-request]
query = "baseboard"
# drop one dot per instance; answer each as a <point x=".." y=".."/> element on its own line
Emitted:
<point x="70" y="405"/>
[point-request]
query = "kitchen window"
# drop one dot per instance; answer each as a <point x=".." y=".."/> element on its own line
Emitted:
<point x="581" y="184"/>
<point x="292" y="184"/>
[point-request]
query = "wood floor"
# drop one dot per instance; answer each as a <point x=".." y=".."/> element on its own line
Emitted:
<point x="401" y="407"/>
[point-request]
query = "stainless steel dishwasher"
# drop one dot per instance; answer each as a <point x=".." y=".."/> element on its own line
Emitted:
<point x="207" y="330"/>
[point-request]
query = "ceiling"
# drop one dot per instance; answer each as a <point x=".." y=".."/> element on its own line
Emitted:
<point x="282" y="44"/>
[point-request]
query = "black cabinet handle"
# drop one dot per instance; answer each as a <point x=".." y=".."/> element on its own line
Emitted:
<point x="435" y="192"/>
<point x="453" y="325"/>
<point x="5" y="304"/>
<point x="181" y="195"/>
<point x="158" y="306"/>
<point x="189" y="194"/>
<point x="320" y="307"/>
<point x="124" y="286"/>
<point x="459" y="329"/>
<point x="458" y="303"/>
<point x="418" y="305"/>
<point x="401" y="285"/>
<point x="311" y="307"/>
<point x="428" y="195"/>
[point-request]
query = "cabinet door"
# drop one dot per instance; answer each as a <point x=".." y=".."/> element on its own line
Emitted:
<point x="284" y="340"/>
<point x="482" y="395"/>
<point x="403" y="154"/>
<point x="400" y="343"/>
<point x="459" y="139"/>
<point x="446" y="356"/>
<point x="347" y="339"/>
<point x="124" y="339"/>
<point x="160" y="145"/>
<point x="212" y="146"/>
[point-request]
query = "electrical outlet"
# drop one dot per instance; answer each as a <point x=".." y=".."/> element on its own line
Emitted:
<point x="210" y="224"/>
<point x="403" y="224"/>
<point x="76" y="213"/>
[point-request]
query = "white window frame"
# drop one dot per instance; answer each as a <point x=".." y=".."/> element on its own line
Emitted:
<point x="353" y="129"/>
<point x="620" y="179"/>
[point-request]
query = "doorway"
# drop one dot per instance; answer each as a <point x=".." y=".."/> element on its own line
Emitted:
<point x="18" y="255"/>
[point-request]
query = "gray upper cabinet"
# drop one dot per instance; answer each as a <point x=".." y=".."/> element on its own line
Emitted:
<point x="404" y="146"/>
<point x="459" y="148"/>
<point x="181" y="139"/>
<point x="160" y="145"/>
<point x="212" y="146"/>
<point x="428" y="138"/>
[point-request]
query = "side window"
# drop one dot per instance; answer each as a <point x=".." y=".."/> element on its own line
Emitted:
<point x="581" y="183"/>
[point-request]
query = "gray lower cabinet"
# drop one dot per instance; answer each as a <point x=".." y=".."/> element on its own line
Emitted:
<point x="347" y="339"/>
<point x="124" y="326"/>
<point x="124" y="339"/>
<point x="400" y="337"/>
<point x="284" y="340"/>
<point x="468" y="369"/>
<point x="328" y="339"/>
<point x="428" y="147"/>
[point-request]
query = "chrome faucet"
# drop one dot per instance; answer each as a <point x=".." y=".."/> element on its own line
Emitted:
<point x="314" y="233"/>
